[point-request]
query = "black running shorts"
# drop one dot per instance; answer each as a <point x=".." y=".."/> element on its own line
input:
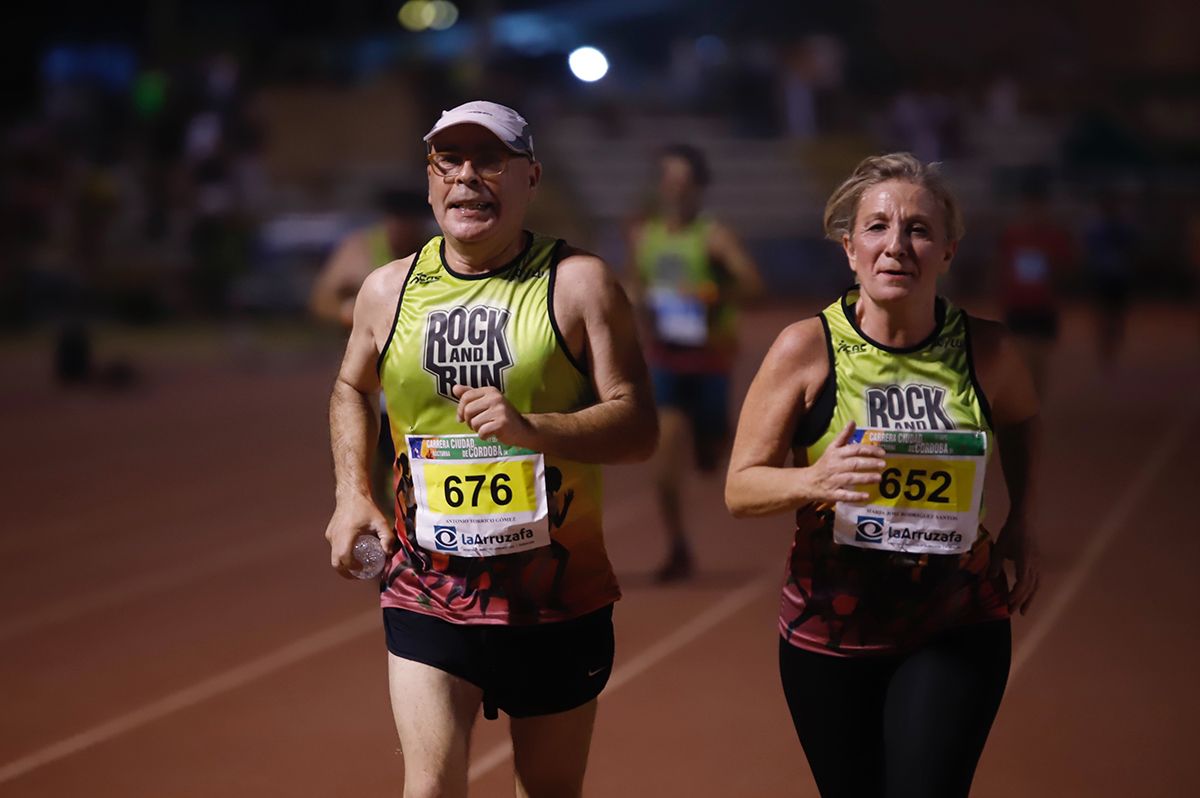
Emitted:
<point x="526" y="671"/>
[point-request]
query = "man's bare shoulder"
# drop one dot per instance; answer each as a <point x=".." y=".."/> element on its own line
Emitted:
<point x="718" y="231"/>
<point x="577" y="258"/>
<point x="583" y="277"/>
<point x="381" y="289"/>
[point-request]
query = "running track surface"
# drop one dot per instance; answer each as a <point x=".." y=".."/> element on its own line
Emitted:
<point x="169" y="625"/>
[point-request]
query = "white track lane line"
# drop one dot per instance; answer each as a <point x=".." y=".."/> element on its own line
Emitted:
<point x="157" y="581"/>
<point x="1117" y="519"/>
<point x="361" y="624"/>
<point x="300" y="650"/>
<point x="232" y="679"/>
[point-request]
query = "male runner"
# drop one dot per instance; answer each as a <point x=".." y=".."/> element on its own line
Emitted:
<point x="511" y="371"/>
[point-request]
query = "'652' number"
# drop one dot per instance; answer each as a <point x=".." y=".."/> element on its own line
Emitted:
<point x="916" y="485"/>
<point x="499" y="489"/>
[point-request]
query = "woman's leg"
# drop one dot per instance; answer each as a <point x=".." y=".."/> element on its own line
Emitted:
<point x="837" y="709"/>
<point x="939" y="709"/>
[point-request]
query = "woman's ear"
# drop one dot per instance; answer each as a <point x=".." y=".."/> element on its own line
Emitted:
<point x="951" y="249"/>
<point x="848" y="248"/>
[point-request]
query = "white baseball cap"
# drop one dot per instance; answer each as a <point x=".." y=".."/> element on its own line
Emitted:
<point x="507" y="125"/>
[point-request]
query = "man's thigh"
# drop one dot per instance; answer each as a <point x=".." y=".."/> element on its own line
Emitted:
<point x="550" y="752"/>
<point x="434" y="712"/>
<point x="436" y="692"/>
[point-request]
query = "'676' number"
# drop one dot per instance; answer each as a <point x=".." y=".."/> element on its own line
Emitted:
<point x="915" y="486"/>
<point x="499" y="489"/>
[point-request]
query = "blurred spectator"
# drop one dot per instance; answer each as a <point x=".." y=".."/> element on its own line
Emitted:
<point x="924" y="123"/>
<point x="1100" y="145"/>
<point x="756" y="95"/>
<point x="1111" y="248"/>
<point x="31" y="186"/>
<point x="812" y="68"/>
<point x="220" y="148"/>
<point x="401" y="232"/>
<point x="1034" y="252"/>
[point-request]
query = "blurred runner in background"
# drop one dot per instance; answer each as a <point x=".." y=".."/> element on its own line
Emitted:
<point x="400" y="233"/>
<point x="689" y="274"/>
<point x="1035" y="252"/>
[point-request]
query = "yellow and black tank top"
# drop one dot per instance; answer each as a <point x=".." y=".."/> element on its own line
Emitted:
<point x="846" y="600"/>
<point x="678" y="262"/>
<point x="497" y="329"/>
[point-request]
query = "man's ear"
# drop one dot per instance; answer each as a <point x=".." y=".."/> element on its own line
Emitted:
<point x="535" y="174"/>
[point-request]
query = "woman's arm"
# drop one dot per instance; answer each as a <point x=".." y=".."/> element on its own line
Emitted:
<point x="759" y="481"/>
<point x="1008" y="384"/>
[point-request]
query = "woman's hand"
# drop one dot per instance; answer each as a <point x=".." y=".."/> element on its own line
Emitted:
<point x="1015" y="542"/>
<point x="844" y="467"/>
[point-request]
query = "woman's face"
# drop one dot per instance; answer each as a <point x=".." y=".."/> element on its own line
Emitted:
<point x="898" y="244"/>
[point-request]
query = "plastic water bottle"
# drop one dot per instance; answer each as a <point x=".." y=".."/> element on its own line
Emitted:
<point x="369" y="558"/>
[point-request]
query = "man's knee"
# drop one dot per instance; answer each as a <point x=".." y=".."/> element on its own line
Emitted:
<point x="425" y="786"/>
<point x="551" y="774"/>
<point x="566" y="786"/>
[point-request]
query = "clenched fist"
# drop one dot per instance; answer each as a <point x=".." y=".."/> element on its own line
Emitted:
<point x="491" y="416"/>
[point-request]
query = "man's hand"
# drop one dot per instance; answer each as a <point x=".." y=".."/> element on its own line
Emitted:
<point x="355" y="515"/>
<point x="843" y="467"/>
<point x="491" y="416"/>
<point x="1016" y="543"/>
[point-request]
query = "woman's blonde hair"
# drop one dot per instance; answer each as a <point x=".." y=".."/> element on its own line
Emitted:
<point x="842" y="207"/>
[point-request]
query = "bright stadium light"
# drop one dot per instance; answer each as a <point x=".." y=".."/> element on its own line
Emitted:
<point x="445" y="14"/>
<point x="417" y="15"/>
<point x="588" y="64"/>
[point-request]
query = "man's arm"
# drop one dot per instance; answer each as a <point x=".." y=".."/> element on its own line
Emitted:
<point x="632" y="274"/>
<point x="597" y="323"/>
<point x="333" y="292"/>
<point x="354" y="418"/>
<point x="727" y="249"/>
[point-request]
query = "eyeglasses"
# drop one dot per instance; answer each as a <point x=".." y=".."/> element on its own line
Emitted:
<point x="488" y="165"/>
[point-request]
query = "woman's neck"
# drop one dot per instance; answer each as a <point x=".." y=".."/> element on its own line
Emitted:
<point x="898" y="324"/>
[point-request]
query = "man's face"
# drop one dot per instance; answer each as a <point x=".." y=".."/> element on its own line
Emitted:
<point x="677" y="187"/>
<point x="472" y="205"/>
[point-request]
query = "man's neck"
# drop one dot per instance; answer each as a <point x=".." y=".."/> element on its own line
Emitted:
<point x="483" y="257"/>
<point x="675" y="219"/>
